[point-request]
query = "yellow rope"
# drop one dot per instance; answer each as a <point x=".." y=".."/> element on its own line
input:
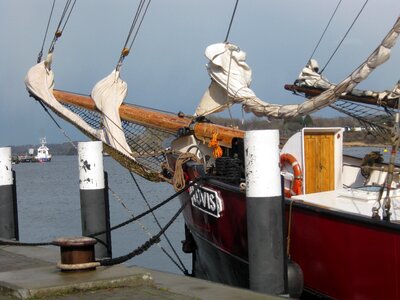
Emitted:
<point x="178" y="181"/>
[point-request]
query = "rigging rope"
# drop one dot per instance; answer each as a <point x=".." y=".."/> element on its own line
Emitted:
<point x="326" y="28"/>
<point x="146" y="230"/>
<point x="45" y="34"/>
<point x="159" y="225"/>
<point x="138" y="15"/>
<point x="230" y="23"/>
<point x="149" y="210"/>
<point x="17" y="243"/>
<point x="154" y="239"/>
<point x="344" y="37"/>
<point x="63" y="23"/>
<point x="55" y="122"/>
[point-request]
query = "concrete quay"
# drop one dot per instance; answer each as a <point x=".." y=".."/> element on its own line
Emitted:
<point x="31" y="273"/>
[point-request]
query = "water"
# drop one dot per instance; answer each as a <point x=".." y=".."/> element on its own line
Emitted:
<point x="361" y="151"/>
<point x="49" y="207"/>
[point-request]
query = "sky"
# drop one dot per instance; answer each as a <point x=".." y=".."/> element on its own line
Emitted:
<point x="166" y="67"/>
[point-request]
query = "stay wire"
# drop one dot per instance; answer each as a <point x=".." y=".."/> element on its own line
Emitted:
<point x="344" y="37"/>
<point x="57" y="124"/>
<point x="62" y="24"/>
<point x="326" y="28"/>
<point x="45" y="34"/>
<point x="140" y="24"/>
<point x="69" y="14"/>
<point x="230" y="23"/>
<point x="158" y="223"/>
<point x="138" y="15"/>
<point x="135" y="18"/>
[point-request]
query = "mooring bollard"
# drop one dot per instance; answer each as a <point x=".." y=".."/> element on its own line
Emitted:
<point x="77" y="253"/>
<point x="265" y="222"/>
<point x="95" y="213"/>
<point x="8" y="197"/>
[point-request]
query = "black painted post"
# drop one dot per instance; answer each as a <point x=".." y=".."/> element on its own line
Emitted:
<point x="94" y="196"/>
<point x="265" y="224"/>
<point x="8" y="197"/>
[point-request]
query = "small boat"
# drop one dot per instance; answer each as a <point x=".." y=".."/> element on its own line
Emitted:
<point x="43" y="154"/>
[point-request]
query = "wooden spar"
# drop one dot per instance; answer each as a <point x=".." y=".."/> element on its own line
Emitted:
<point x="309" y="91"/>
<point x="129" y="113"/>
<point x="156" y="119"/>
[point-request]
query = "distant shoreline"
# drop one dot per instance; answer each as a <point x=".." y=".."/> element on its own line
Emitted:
<point x="362" y="144"/>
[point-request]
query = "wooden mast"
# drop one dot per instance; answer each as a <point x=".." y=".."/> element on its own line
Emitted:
<point x="310" y="91"/>
<point x="156" y="119"/>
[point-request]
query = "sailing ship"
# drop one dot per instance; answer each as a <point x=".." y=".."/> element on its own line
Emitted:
<point x="342" y="213"/>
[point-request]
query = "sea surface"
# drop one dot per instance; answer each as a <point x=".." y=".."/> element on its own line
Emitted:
<point x="49" y="207"/>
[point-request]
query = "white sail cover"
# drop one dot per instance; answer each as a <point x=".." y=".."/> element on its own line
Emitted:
<point x="40" y="82"/>
<point x="309" y="77"/>
<point x="227" y="68"/>
<point x="108" y="95"/>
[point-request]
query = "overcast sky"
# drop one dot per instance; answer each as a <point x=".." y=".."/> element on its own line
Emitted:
<point x="166" y="68"/>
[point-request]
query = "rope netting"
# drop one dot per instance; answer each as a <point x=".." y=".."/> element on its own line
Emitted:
<point x="146" y="144"/>
<point x="377" y="120"/>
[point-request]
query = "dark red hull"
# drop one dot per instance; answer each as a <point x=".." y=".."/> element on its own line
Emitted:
<point x="342" y="256"/>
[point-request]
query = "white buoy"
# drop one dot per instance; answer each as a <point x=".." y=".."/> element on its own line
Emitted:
<point x="264" y="204"/>
<point x="8" y="197"/>
<point x="95" y="214"/>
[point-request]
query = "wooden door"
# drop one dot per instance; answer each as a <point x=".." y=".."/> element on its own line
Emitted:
<point x="319" y="162"/>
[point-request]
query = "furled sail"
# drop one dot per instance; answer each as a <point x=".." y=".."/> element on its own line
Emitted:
<point x="108" y="95"/>
<point x="309" y="77"/>
<point x="227" y="68"/>
<point x="40" y="83"/>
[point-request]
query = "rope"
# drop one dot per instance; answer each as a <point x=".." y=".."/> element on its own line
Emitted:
<point x="326" y="28"/>
<point x="17" y="243"/>
<point x="45" y="35"/>
<point x="125" y="50"/>
<point x="57" y="124"/>
<point x="146" y="230"/>
<point x="149" y="210"/>
<point x="62" y="24"/>
<point x="178" y="181"/>
<point x="159" y="226"/>
<point x="344" y="37"/>
<point x="230" y="23"/>
<point x="145" y="246"/>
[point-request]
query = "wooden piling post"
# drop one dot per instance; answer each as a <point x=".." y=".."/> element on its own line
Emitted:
<point x="8" y="197"/>
<point x="265" y="222"/>
<point x="95" y="214"/>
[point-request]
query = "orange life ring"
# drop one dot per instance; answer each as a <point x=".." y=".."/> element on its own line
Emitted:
<point x="297" y="183"/>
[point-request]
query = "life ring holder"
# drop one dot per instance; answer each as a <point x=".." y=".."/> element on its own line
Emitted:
<point x="297" y="182"/>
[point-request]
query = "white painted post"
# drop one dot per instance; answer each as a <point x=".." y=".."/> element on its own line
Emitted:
<point x="95" y="213"/>
<point x="8" y="197"/>
<point x="265" y="223"/>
